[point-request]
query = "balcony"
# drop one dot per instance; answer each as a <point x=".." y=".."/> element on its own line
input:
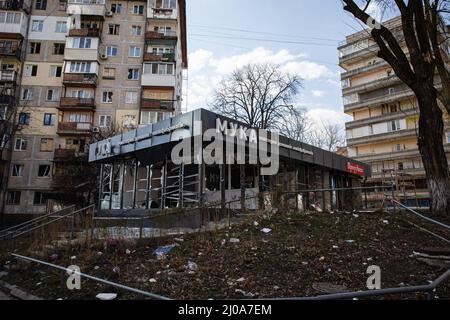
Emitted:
<point x="158" y="80"/>
<point x="357" y="71"/>
<point x="7" y="99"/>
<point x="167" y="37"/>
<point x="8" y="76"/>
<point x="383" y="81"/>
<point x="389" y="136"/>
<point x="86" y="32"/>
<point x="158" y="104"/>
<point x="10" y="52"/>
<point x="382" y="118"/>
<point x="162" y="13"/>
<point x="91" y="8"/>
<point x="69" y="103"/>
<point x="67" y="155"/>
<point x="165" y="57"/>
<point x="80" y="79"/>
<point x="74" y="128"/>
<point x="386" y="98"/>
<point x="14" y="5"/>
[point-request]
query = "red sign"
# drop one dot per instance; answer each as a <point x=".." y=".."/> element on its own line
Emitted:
<point x="355" y="169"/>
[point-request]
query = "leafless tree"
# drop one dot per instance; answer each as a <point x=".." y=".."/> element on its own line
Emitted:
<point x="260" y="95"/>
<point x="296" y="126"/>
<point x="328" y="136"/>
<point x="423" y="36"/>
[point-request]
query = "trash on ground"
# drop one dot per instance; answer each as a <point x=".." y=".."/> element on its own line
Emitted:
<point x="266" y="230"/>
<point x="234" y="240"/>
<point x="106" y="296"/>
<point x="161" y="252"/>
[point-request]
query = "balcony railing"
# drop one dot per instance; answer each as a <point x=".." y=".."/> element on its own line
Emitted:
<point x="64" y="155"/>
<point x="385" y="98"/>
<point x="169" y="57"/>
<point x="8" y="75"/>
<point x="74" y="128"/>
<point x="10" y="51"/>
<point x="160" y="35"/>
<point x="7" y="99"/>
<point x="77" y="103"/>
<point x="382" y="81"/>
<point x="86" y="32"/>
<point x="86" y="1"/>
<point x="81" y="79"/>
<point x="382" y="137"/>
<point x="158" y="104"/>
<point x="13" y="5"/>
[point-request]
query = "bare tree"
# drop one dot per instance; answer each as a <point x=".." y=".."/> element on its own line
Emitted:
<point x="423" y="39"/>
<point x="259" y="95"/>
<point x="296" y="126"/>
<point x="328" y="136"/>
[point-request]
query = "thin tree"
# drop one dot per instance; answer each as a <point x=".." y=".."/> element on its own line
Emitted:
<point x="259" y="95"/>
<point x="422" y="37"/>
<point x="296" y="126"/>
<point x="328" y="136"/>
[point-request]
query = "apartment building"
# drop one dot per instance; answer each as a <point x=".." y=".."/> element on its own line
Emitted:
<point x="14" y="18"/>
<point x="90" y="66"/>
<point x="383" y="131"/>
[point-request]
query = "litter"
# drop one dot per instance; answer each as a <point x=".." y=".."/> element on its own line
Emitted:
<point x="240" y="280"/>
<point x="266" y="230"/>
<point x="54" y="257"/>
<point x="106" y="296"/>
<point x="152" y="280"/>
<point x="192" y="266"/>
<point x="234" y="240"/>
<point x="127" y="251"/>
<point x="350" y="241"/>
<point x="246" y="294"/>
<point x="165" y="250"/>
<point x="116" y="270"/>
<point x="73" y="257"/>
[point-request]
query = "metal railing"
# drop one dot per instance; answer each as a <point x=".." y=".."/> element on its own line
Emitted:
<point x="99" y="280"/>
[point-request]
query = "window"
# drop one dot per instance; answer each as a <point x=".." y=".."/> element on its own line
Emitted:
<point x="27" y="94"/>
<point x="20" y="145"/>
<point x="55" y="71"/>
<point x="131" y="97"/>
<point x="107" y="97"/>
<point x="164" y="30"/>
<point x="109" y="73"/>
<point x="165" y="4"/>
<point x="394" y="126"/>
<point x="447" y="135"/>
<point x="134" y="52"/>
<point x="61" y="27"/>
<point x="35" y="48"/>
<point x="116" y="7"/>
<point x="17" y="170"/>
<point x="148" y="117"/>
<point x="10" y="17"/>
<point x="81" y="43"/>
<point x="104" y="121"/>
<point x="58" y="48"/>
<point x="111" y="51"/>
<point x="41" y="5"/>
<point x="78" y="117"/>
<point x="24" y="118"/>
<point x="136" y="30"/>
<point x="13" y="197"/>
<point x="52" y="95"/>
<point x="3" y="111"/>
<point x="80" y="94"/>
<point x="49" y="119"/>
<point x="44" y="171"/>
<point x="159" y="68"/>
<point x="138" y="9"/>
<point x="113" y="29"/>
<point x="31" y="70"/>
<point x="62" y="6"/>
<point x="37" y="25"/>
<point x="162" y="50"/>
<point x="40" y="198"/>
<point x="80" y="67"/>
<point x="129" y="121"/>
<point x="133" y="74"/>
<point x="400" y="166"/>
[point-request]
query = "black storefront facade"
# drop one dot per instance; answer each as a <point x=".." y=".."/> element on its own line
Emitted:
<point x="138" y="173"/>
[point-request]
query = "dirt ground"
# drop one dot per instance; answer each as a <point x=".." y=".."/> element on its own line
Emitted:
<point x="300" y="251"/>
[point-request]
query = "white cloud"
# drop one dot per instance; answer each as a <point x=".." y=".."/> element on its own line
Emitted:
<point x="308" y="70"/>
<point x="325" y="115"/>
<point x="199" y="59"/>
<point x="318" y="93"/>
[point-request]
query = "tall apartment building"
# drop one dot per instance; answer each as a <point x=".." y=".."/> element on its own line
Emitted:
<point x="90" y="66"/>
<point x="385" y="115"/>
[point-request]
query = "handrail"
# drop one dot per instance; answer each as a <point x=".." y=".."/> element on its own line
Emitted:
<point x="117" y="285"/>
<point x="52" y="221"/>
<point x="420" y="215"/>
<point x="32" y="221"/>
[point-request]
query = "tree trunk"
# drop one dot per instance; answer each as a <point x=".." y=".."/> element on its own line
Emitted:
<point x="431" y="131"/>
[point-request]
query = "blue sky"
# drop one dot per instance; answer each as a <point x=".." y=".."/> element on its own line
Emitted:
<point x="222" y="33"/>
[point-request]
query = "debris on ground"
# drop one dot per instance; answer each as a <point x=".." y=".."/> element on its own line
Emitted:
<point x="329" y="288"/>
<point x="162" y="252"/>
<point x="106" y="296"/>
<point x="234" y="240"/>
<point x="266" y="230"/>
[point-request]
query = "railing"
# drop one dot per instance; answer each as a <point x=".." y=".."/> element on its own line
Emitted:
<point x="74" y="127"/>
<point x="86" y="1"/>
<point x="20" y="229"/>
<point x="157" y="104"/>
<point x="8" y="75"/>
<point x="382" y="136"/>
<point x="80" y="78"/>
<point x="12" y="5"/>
<point x="70" y="102"/>
<point x="159" y="57"/>
<point x="7" y="99"/>
<point x="67" y="154"/>
<point x="13" y="51"/>
<point x="160" y="35"/>
<point x="86" y="32"/>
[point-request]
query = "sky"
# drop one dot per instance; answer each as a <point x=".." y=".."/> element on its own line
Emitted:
<point x="301" y="36"/>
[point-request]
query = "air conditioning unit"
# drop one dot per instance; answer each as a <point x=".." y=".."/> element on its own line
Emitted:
<point x="103" y="57"/>
<point x="96" y="129"/>
<point x="109" y="13"/>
